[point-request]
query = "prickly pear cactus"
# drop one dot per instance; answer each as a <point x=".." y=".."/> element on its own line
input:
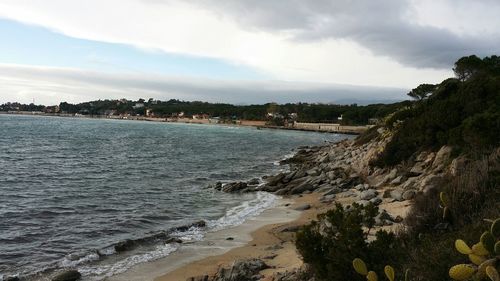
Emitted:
<point x="360" y="267"/>
<point x="484" y="257"/>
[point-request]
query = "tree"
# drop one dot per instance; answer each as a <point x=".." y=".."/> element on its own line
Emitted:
<point x="422" y="91"/>
<point x="466" y="67"/>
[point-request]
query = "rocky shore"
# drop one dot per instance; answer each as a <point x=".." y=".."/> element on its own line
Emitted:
<point x="340" y="172"/>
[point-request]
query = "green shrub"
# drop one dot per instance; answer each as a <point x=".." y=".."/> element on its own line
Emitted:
<point x="462" y="113"/>
<point x="330" y="244"/>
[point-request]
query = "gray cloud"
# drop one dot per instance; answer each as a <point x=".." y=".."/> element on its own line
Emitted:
<point x="53" y="85"/>
<point x="385" y="27"/>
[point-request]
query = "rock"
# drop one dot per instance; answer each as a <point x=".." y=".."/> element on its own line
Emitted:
<point x="125" y="245"/>
<point x="230" y="239"/>
<point x="441" y="157"/>
<point x="398" y="219"/>
<point x="301" y="188"/>
<point x="173" y="240"/>
<point x="68" y="275"/>
<point x="198" y="278"/>
<point x="387" y="193"/>
<point x="332" y="191"/>
<point x="392" y="175"/>
<point x="397" y="195"/>
<point x="347" y="194"/>
<point x="360" y="187"/>
<point x="458" y="166"/>
<point x="245" y="270"/>
<point x="327" y="198"/>
<point x="417" y="170"/>
<point x="199" y="224"/>
<point x="234" y="187"/>
<point x="274" y="180"/>
<point x="313" y="172"/>
<point x="293" y="228"/>
<point x="410" y="183"/>
<point x="303" y="207"/>
<point x="409" y="194"/>
<point x="254" y="181"/>
<point x="217" y="186"/>
<point x="368" y="194"/>
<point x="398" y="180"/>
<point x="376" y="201"/>
<point x="363" y="203"/>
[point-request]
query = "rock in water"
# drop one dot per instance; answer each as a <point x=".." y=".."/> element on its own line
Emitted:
<point x="69" y="275"/>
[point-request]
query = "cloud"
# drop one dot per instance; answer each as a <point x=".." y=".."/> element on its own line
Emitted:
<point x="372" y="43"/>
<point x="53" y="85"/>
<point x="393" y="28"/>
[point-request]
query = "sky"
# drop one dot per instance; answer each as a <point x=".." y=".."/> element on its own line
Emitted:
<point x="236" y="51"/>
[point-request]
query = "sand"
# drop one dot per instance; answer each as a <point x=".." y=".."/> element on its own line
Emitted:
<point x="264" y="237"/>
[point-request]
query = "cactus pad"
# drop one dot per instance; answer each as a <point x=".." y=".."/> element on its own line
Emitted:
<point x="372" y="276"/>
<point x="389" y="272"/>
<point x="475" y="259"/>
<point x="478" y="249"/>
<point x="461" y="272"/>
<point x="462" y="247"/>
<point x="488" y="241"/>
<point x="360" y="266"/>
<point x="492" y="273"/>
<point x="495" y="228"/>
<point x="445" y="202"/>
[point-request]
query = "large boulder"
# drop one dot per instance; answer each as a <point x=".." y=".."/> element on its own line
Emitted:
<point x="68" y="275"/>
<point x="368" y="194"/>
<point x="441" y="158"/>
<point x="234" y="187"/>
<point x="245" y="270"/>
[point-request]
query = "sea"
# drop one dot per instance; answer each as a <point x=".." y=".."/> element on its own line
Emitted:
<point x="73" y="190"/>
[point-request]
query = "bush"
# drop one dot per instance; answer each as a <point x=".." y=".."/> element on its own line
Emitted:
<point x="330" y="244"/>
<point x="464" y="114"/>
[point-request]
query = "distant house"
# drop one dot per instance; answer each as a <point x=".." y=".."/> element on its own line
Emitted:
<point x="110" y="112"/>
<point x="200" y="116"/>
<point x="149" y="112"/>
<point x="339" y="118"/>
<point x="214" y="120"/>
<point x="138" y="105"/>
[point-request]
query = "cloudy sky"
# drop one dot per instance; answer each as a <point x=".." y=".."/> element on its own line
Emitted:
<point x="238" y="51"/>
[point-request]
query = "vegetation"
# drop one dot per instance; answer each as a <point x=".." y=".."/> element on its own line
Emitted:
<point x="330" y="244"/>
<point x="305" y="112"/>
<point x="463" y="112"/>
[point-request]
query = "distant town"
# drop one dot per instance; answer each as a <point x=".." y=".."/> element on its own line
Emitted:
<point x="301" y="116"/>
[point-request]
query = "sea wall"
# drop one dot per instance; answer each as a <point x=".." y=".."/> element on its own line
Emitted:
<point x="329" y="127"/>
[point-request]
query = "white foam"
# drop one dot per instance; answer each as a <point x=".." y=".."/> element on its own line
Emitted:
<point x="73" y="260"/>
<point x="237" y="215"/>
<point x="233" y="217"/>
<point x="101" y="272"/>
<point x="286" y="157"/>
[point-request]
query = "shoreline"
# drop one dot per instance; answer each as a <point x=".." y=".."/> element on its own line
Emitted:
<point x="346" y="130"/>
<point x="216" y="248"/>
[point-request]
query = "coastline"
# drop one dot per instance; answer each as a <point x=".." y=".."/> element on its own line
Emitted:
<point x="347" y="130"/>
<point x="217" y="248"/>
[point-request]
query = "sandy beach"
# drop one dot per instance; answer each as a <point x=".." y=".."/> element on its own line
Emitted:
<point x="272" y="242"/>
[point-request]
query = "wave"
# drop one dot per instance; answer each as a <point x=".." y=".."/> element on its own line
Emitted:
<point x="98" y="264"/>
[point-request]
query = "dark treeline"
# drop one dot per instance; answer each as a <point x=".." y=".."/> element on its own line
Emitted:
<point x="305" y="112"/>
